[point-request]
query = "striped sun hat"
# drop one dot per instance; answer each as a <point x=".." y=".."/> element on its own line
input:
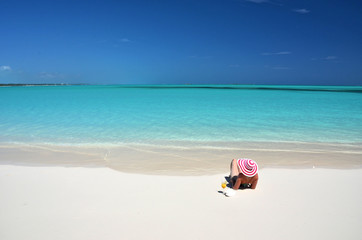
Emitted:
<point x="248" y="167"/>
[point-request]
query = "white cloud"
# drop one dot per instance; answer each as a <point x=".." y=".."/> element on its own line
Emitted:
<point x="280" y="68"/>
<point x="125" y="40"/>
<point x="301" y="11"/>
<point x="277" y="67"/>
<point x="276" y="53"/>
<point x="257" y="1"/>
<point x="272" y="2"/>
<point x="200" y="57"/>
<point x="49" y="76"/>
<point x="5" y="68"/>
<point x="284" y="53"/>
<point x="46" y="75"/>
<point x="330" y="58"/>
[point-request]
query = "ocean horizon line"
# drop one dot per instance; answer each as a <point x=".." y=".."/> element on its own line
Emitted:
<point x="169" y="84"/>
<point x="288" y="87"/>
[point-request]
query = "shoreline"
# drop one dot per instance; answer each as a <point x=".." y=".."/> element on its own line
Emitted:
<point x="39" y="84"/>
<point x="187" y="158"/>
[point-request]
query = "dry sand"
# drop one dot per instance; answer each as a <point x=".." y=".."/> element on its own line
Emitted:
<point x="100" y="203"/>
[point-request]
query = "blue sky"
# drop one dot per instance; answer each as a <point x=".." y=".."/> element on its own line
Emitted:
<point x="181" y="42"/>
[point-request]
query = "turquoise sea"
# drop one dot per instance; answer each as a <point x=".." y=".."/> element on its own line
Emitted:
<point x="118" y="114"/>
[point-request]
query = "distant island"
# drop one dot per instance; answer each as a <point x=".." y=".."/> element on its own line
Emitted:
<point x="37" y="84"/>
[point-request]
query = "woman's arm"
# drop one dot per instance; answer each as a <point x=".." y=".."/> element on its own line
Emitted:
<point x="254" y="181"/>
<point x="237" y="182"/>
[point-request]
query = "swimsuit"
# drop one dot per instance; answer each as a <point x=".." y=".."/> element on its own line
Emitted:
<point x="242" y="186"/>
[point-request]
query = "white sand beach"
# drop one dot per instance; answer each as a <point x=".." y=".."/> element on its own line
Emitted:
<point x="101" y="203"/>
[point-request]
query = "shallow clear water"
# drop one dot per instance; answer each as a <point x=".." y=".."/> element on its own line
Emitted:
<point x="148" y="114"/>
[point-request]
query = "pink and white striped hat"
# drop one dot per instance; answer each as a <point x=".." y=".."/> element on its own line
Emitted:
<point x="248" y="167"/>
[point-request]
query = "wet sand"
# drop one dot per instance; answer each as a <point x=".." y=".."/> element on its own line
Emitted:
<point x="185" y="158"/>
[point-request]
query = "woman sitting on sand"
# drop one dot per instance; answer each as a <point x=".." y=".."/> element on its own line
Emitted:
<point x="243" y="174"/>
